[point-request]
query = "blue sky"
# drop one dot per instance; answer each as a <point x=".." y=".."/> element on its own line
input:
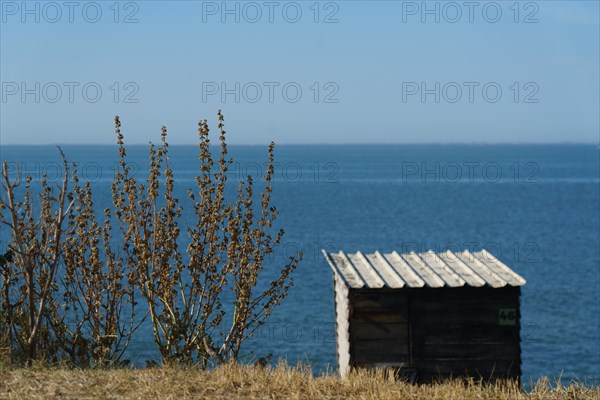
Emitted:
<point x="364" y="72"/>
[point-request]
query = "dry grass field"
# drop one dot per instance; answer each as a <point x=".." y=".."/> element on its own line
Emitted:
<point x="242" y="382"/>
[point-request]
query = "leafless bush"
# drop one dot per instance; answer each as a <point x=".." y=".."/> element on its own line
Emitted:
<point x="29" y="307"/>
<point x="69" y="293"/>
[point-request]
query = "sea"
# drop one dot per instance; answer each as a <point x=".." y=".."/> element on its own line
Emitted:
<point x="535" y="207"/>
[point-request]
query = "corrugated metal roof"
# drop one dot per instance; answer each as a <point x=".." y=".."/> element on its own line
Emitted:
<point x="429" y="269"/>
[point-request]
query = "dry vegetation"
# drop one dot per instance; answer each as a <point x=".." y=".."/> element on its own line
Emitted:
<point x="77" y="280"/>
<point x="235" y="381"/>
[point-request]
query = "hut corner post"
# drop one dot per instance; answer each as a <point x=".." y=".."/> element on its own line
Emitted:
<point x="342" y="318"/>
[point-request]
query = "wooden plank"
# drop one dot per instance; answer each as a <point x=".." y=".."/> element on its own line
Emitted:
<point x="480" y="269"/>
<point x="438" y="317"/>
<point x="464" y="333"/>
<point x="378" y="315"/>
<point x="500" y="351"/>
<point x="365" y="269"/>
<point x="381" y="351"/>
<point x="364" y="358"/>
<point x="433" y="261"/>
<point x="499" y="268"/>
<point x="370" y="306"/>
<point x="407" y="274"/>
<point x="343" y="267"/>
<point x="377" y="298"/>
<point x="426" y="273"/>
<point x="391" y="331"/>
<point x="458" y="364"/>
<point x="381" y="345"/>
<point x="456" y="302"/>
<point x="456" y="305"/>
<point x="467" y="294"/>
<point x="466" y="273"/>
<point x="389" y="275"/>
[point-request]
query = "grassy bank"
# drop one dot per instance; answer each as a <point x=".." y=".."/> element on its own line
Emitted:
<point x="253" y="383"/>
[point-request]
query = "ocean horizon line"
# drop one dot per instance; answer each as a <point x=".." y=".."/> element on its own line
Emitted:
<point x="216" y="144"/>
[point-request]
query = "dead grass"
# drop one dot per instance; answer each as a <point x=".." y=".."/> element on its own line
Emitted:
<point x="237" y="382"/>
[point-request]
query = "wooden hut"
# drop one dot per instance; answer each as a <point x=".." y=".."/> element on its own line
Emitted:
<point x="427" y="315"/>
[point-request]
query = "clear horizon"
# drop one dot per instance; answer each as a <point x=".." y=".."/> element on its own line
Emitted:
<point x="566" y="143"/>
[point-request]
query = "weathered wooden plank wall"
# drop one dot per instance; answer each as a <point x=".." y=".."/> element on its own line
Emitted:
<point x="466" y="331"/>
<point x="379" y="329"/>
<point x="439" y="331"/>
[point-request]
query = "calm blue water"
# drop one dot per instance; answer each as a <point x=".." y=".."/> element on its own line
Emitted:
<point x="535" y="207"/>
